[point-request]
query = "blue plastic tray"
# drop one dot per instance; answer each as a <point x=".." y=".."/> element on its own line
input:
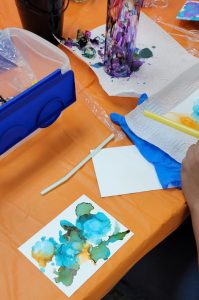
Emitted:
<point x="37" y="107"/>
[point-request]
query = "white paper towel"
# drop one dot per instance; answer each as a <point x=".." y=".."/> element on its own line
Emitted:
<point x="169" y="60"/>
<point x="170" y="140"/>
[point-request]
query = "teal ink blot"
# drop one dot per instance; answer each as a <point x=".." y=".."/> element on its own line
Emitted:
<point x="145" y="53"/>
<point x="42" y="270"/>
<point x="195" y="114"/>
<point x="65" y="224"/>
<point x="97" y="65"/>
<point x="99" y="252"/>
<point x="89" y="52"/>
<point x="83" y="209"/>
<point x="65" y="276"/>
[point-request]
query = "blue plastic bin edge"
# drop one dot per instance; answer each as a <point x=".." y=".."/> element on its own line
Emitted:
<point x="37" y="107"/>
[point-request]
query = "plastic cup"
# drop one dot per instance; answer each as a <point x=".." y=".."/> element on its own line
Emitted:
<point x="43" y="17"/>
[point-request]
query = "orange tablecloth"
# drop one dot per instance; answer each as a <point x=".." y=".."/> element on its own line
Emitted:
<point x="48" y="155"/>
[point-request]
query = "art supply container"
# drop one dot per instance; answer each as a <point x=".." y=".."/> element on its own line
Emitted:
<point x="39" y="105"/>
<point x="121" y="30"/>
<point x="43" y="17"/>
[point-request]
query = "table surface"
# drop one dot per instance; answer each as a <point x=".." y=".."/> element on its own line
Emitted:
<point x="51" y="153"/>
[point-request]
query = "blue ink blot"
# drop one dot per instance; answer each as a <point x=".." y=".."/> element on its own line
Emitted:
<point x="94" y="227"/>
<point x="42" y="270"/>
<point x="195" y="114"/>
<point x="97" y="65"/>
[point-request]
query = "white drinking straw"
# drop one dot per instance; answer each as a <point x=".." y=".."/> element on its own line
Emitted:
<point x="75" y="169"/>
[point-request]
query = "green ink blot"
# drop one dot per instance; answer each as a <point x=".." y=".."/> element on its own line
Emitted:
<point x="83" y="209"/>
<point x="65" y="276"/>
<point x="76" y="236"/>
<point x="145" y="53"/>
<point x="117" y="237"/>
<point x="99" y="252"/>
<point x="136" y="56"/>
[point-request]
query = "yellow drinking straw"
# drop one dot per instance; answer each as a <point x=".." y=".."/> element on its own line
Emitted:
<point x="172" y="124"/>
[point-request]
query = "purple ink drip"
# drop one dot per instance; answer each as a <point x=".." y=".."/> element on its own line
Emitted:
<point x="121" y="31"/>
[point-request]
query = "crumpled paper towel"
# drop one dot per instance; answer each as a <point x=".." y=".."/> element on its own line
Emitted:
<point x="170" y="140"/>
<point x="169" y="60"/>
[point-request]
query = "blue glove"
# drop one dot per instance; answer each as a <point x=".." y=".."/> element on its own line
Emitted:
<point x="168" y="170"/>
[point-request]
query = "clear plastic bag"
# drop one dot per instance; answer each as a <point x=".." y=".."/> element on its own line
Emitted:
<point x="15" y="73"/>
<point x="99" y="112"/>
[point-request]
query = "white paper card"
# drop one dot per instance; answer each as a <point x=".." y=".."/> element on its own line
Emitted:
<point x="87" y="238"/>
<point x="123" y="170"/>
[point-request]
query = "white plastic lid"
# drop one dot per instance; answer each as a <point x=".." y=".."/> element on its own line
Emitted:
<point x="32" y="45"/>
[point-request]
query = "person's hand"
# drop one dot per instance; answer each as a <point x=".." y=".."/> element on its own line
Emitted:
<point x="190" y="177"/>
